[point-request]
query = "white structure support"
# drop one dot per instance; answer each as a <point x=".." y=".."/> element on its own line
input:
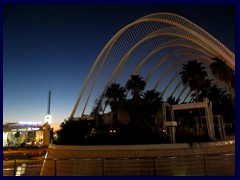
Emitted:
<point x="206" y="104"/>
<point x="169" y="123"/>
<point x="209" y="118"/>
<point x="148" y="46"/>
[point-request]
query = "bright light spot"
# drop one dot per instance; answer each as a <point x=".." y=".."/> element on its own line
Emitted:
<point x="48" y="119"/>
<point x="20" y="170"/>
<point x="30" y="122"/>
<point x="5" y="134"/>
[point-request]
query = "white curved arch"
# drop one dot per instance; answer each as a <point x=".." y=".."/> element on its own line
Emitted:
<point x="172" y="43"/>
<point x="152" y="26"/>
<point x="178" y="85"/>
<point x="177" y="64"/>
<point x="230" y="57"/>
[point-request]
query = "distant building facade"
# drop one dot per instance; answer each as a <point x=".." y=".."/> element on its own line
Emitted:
<point x="27" y="133"/>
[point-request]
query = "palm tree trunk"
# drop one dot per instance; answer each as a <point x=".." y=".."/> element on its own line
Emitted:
<point x="104" y="109"/>
<point x="196" y="93"/>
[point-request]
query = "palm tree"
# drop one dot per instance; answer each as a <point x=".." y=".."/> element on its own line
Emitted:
<point x="152" y="97"/>
<point x="224" y="73"/>
<point x="115" y="95"/>
<point x="172" y="100"/>
<point x="205" y="89"/>
<point x="137" y="108"/>
<point x="220" y="100"/>
<point x="193" y="74"/>
<point x="153" y="104"/>
<point x="136" y="85"/>
<point x="212" y="92"/>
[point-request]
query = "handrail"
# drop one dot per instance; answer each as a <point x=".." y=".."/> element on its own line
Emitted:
<point x="201" y="164"/>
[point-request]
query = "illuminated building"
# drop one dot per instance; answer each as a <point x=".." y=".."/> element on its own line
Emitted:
<point x="24" y="133"/>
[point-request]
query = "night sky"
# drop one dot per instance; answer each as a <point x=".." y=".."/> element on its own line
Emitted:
<point x="54" y="46"/>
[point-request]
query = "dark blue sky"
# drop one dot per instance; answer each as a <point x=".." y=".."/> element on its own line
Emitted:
<point x="54" y="46"/>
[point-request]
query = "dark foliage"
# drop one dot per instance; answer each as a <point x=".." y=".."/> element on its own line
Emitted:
<point x="73" y="132"/>
<point x="144" y="110"/>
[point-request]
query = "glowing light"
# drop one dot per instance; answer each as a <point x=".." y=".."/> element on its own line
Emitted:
<point x="5" y="134"/>
<point x="20" y="170"/>
<point x="48" y="119"/>
<point x="30" y="122"/>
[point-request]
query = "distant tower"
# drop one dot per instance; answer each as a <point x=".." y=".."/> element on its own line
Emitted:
<point x="48" y="116"/>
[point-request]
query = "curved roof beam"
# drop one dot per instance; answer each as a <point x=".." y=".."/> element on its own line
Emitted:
<point x="167" y="57"/>
<point x="161" y="32"/>
<point x="189" y="92"/>
<point x="227" y="55"/>
<point x="175" y="78"/>
<point x="170" y="43"/>
<point x="178" y="85"/>
<point x="177" y="64"/>
<point x="172" y="19"/>
<point x="170" y="82"/>
<point x="180" y="94"/>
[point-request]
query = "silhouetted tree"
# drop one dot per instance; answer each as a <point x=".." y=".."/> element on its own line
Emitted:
<point x="172" y="100"/>
<point x="73" y="132"/>
<point x="193" y="74"/>
<point x="115" y="95"/>
<point x="224" y="73"/>
<point x="136" y="85"/>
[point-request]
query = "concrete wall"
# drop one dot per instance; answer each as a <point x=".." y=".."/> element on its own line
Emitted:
<point x="212" y="158"/>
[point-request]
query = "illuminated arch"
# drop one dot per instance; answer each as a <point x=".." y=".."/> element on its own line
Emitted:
<point x="145" y="47"/>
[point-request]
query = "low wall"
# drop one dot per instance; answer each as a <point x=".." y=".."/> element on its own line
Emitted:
<point x="211" y="158"/>
<point x="24" y="153"/>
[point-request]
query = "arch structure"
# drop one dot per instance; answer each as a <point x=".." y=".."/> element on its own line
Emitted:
<point x="154" y="47"/>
